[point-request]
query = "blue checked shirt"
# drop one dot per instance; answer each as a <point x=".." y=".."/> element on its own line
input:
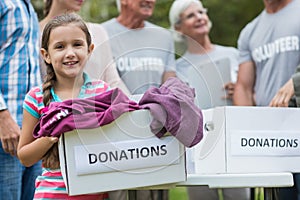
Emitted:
<point x="19" y="54"/>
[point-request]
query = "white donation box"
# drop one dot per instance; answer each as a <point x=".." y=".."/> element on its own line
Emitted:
<point x="249" y="140"/>
<point x="124" y="154"/>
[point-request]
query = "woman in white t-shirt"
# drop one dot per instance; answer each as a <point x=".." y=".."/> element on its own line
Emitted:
<point x="191" y="25"/>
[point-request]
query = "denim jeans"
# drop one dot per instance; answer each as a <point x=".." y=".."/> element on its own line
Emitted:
<point x="297" y="184"/>
<point x="291" y="193"/>
<point x="17" y="182"/>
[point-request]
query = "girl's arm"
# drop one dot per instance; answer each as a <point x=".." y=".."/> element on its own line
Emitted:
<point x="31" y="150"/>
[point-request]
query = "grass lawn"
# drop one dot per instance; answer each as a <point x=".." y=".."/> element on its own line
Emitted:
<point x="180" y="193"/>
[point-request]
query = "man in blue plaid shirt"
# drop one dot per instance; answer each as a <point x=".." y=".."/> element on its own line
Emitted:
<point x="19" y="71"/>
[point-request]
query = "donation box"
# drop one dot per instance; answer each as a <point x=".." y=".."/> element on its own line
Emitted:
<point x="249" y="140"/>
<point x="124" y="154"/>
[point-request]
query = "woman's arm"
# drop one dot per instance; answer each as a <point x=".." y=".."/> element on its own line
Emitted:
<point x="31" y="150"/>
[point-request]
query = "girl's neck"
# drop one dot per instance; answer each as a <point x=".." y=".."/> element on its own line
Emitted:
<point x="199" y="45"/>
<point x="68" y="89"/>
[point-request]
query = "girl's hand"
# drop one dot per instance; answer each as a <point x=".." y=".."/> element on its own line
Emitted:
<point x="36" y="150"/>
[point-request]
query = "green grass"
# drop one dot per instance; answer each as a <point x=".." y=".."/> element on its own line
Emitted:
<point x="180" y="193"/>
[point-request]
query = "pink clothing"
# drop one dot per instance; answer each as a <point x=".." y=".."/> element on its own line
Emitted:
<point x="50" y="185"/>
<point x="173" y="109"/>
<point x="85" y="113"/>
<point x="33" y="102"/>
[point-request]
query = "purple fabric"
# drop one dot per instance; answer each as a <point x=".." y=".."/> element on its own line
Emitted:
<point x="172" y="107"/>
<point x="173" y="110"/>
<point x="84" y="113"/>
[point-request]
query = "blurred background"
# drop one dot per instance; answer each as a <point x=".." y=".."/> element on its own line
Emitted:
<point x="228" y="17"/>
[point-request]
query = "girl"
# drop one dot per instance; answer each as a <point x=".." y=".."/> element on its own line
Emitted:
<point x="100" y="65"/>
<point x="66" y="47"/>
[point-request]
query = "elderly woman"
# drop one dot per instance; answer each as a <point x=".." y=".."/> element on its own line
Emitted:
<point x="191" y="25"/>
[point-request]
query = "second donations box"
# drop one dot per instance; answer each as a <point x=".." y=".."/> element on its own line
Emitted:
<point x="249" y="140"/>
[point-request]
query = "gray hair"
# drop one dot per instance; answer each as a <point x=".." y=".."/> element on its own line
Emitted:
<point x="178" y="7"/>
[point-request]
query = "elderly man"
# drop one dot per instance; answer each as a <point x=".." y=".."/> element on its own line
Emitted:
<point x="142" y="51"/>
<point x="144" y="56"/>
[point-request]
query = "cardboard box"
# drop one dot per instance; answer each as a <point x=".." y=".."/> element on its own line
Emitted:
<point x="248" y="140"/>
<point x="122" y="155"/>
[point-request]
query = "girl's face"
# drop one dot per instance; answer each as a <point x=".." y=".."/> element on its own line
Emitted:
<point x="73" y="5"/>
<point x="67" y="51"/>
<point x="194" y="22"/>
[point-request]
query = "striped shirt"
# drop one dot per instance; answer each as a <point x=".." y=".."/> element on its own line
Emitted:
<point x="53" y="179"/>
<point x="19" y="54"/>
<point x="50" y="185"/>
<point x="33" y="102"/>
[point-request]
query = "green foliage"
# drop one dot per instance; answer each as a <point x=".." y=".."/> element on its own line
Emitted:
<point x="178" y="193"/>
<point x="39" y="6"/>
<point x="228" y="17"/>
<point x="161" y="13"/>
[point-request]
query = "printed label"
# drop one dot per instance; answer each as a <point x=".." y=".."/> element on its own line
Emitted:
<point x="126" y="155"/>
<point x="263" y="143"/>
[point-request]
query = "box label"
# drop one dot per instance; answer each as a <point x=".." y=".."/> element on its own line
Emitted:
<point x="126" y="155"/>
<point x="264" y="143"/>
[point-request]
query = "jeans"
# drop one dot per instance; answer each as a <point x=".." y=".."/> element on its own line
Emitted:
<point x="17" y="182"/>
<point x="291" y="193"/>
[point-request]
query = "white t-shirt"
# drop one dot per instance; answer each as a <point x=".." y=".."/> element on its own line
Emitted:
<point x="219" y="52"/>
<point x="141" y="55"/>
<point x="271" y="41"/>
